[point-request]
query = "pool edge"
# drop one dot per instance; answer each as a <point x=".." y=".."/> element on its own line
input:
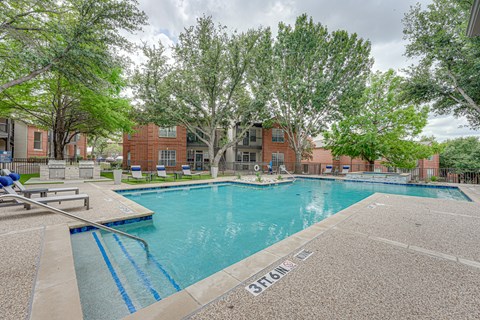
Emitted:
<point x="195" y="297"/>
<point x="56" y="292"/>
<point x="190" y="299"/>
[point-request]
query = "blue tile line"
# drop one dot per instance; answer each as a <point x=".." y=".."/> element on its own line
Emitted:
<point x="160" y="267"/>
<point x="223" y="183"/>
<point x="139" y="271"/>
<point x="117" y="281"/>
<point x="394" y="183"/>
<point x="111" y="224"/>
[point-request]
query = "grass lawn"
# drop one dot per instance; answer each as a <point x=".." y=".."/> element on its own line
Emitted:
<point x="25" y="177"/>
<point x="170" y="178"/>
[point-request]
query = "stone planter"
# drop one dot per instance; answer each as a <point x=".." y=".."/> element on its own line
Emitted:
<point x="117" y="176"/>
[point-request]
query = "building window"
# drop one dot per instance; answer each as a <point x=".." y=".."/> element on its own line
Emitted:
<point x="253" y="135"/>
<point x="76" y="137"/>
<point x="129" y="136"/>
<point x="168" y="158"/>
<point x="430" y="158"/>
<point x="278" y="159"/>
<point x="37" y="140"/>
<point x="192" y="137"/>
<point x="190" y="155"/>
<point x="170" y="132"/>
<point x="277" y="135"/>
<point x="430" y="173"/>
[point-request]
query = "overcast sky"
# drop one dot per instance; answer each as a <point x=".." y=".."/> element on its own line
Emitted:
<point x="376" y="20"/>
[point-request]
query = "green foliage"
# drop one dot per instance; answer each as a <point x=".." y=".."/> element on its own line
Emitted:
<point x="259" y="177"/>
<point x="382" y="127"/>
<point x="448" y="69"/>
<point x="55" y="103"/>
<point x="317" y="78"/>
<point x="461" y="153"/>
<point x="80" y="39"/>
<point x="217" y="79"/>
<point x="61" y="69"/>
<point x="433" y="178"/>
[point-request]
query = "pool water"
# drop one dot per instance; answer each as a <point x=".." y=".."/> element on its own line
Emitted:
<point x="197" y="231"/>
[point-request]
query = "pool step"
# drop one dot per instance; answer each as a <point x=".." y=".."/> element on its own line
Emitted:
<point x="146" y="279"/>
<point x="94" y="266"/>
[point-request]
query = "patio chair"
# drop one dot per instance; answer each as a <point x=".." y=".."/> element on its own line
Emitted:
<point x="345" y="169"/>
<point x="162" y="172"/>
<point x="328" y="169"/>
<point x="7" y="182"/>
<point x="136" y="173"/>
<point x="187" y="172"/>
<point x="16" y="181"/>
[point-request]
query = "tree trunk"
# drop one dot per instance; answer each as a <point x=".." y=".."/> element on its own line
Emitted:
<point x="58" y="145"/>
<point x="371" y="165"/>
<point x="213" y="160"/>
<point x="298" y="162"/>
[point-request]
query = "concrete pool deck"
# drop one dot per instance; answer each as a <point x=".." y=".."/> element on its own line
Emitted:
<point x="386" y="256"/>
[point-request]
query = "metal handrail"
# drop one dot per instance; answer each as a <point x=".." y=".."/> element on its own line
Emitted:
<point x="282" y="168"/>
<point x="98" y="225"/>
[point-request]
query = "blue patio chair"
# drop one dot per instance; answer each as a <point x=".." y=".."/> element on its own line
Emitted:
<point x="136" y="173"/>
<point x="187" y="172"/>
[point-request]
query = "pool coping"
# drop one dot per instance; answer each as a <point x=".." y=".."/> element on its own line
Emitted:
<point x="56" y="290"/>
<point x="200" y="294"/>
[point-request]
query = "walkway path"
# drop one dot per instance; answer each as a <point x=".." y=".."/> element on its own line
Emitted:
<point x="395" y="257"/>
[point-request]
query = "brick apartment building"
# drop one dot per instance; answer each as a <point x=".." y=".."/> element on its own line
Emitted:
<point x="26" y="141"/>
<point x="426" y="167"/>
<point x="173" y="147"/>
<point x="151" y="145"/>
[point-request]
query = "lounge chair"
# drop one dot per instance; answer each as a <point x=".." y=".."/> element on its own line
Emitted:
<point x="43" y="191"/>
<point x="345" y="169"/>
<point x="7" y="182"/>
<point x="188" y="173"/>
<point x="136" y="173"/>
<point x="161" y="172"/>
<point x="328" y="169"/>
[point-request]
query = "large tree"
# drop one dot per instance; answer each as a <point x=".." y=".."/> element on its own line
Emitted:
<point x="383" y="127"/>
<point x="218" y="80"/>
<point x="66" y="109"/>
<point x="461" y="153"/>
<point x="66" y="36"/>
<point x="447" y="71"/>
<point x="317" y="77"/>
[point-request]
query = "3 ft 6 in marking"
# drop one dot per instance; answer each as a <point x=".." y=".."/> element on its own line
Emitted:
<point x="270" y="278"/>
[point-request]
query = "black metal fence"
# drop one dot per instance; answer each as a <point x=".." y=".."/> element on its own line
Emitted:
<point x="451" y="175"/>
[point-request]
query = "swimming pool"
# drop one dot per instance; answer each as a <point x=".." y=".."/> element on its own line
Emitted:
<point x="199" y="230"/>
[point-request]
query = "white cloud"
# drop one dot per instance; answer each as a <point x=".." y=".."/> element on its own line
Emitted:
<point x="376" y="20"/>
<point x="448" y="127"/>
